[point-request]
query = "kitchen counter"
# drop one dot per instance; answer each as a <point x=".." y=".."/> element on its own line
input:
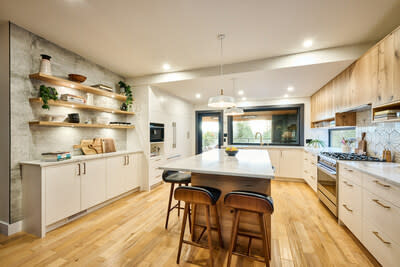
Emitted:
<point x="389" y="172"/>
<point x="78" y="158"/>
<point x="254" y="163"/>
<point x="265" y="147"/>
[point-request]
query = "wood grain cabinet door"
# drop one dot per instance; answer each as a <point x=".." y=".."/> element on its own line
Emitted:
<point x="62" y="191"/>
<point x="93" y="181"/>
<point x="389" y="69"/>
<point x="341" y="89"/>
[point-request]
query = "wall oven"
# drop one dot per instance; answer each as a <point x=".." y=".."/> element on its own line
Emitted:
<point x="156" y="132"/>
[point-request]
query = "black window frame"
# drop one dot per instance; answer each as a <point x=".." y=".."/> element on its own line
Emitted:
<point x="200" y="113"/>
<point x="300" y="121"/>
<point x="337" y="129"/>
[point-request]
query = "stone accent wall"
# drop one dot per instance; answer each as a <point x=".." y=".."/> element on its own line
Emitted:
<point x="27" y="143"/>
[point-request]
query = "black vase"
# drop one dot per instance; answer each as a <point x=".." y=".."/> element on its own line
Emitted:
<point x="124" y="107"/>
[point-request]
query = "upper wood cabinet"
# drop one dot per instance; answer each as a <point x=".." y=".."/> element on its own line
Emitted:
<point x="389" y="69"/>
<point x="341" y="90"/>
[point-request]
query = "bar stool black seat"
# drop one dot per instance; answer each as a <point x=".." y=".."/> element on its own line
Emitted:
<point x="254" y="202"/>
<point x="199" y="195"/>
<point x="174" y="177"/>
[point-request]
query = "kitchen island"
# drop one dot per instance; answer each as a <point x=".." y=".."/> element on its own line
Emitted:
<point x="249" y="170"/>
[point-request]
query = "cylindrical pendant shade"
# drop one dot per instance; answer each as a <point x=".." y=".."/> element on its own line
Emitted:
<point x="234" y="111"/>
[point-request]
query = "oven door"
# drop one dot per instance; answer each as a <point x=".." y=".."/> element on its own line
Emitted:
<point x="327" y="187"/>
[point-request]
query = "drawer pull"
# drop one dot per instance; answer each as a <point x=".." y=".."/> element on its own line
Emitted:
<point x="313" y="177"/>
<point x="305" y="171"/>
<point x="157" y="159"/>
<point x="313" y="163"/>
<point x="380" y="238"/>
<point x="348" y="170"/>
<point x="379" y="183"/>
<point x="347" y="208"/>
<point x="380" y="204"/>
<point x="346" y="183"/>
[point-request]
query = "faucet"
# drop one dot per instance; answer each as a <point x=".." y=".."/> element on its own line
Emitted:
<point x="261" y="141"/>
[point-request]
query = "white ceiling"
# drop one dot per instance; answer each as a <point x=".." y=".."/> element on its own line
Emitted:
<point x="258" y="85"/>
<point x="135" y="38"/>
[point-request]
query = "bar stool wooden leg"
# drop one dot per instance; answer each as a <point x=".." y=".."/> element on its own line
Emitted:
<point x="235" y="227"/>
<point x="185" y="214"/>
<point x="209" y="234"/>
<point x="179" y="205"/>
<point x="169" y="204"/>
<point x="193" y="222"/>
<point x="221" y="243"/>
<point x="264" y="238"/>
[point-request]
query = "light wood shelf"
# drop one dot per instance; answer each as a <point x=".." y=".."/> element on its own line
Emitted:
<point x="74" y="85"/>
<point x="388" y="106"/>
<point x="61" y="103"/>
<point x="78" y="125"/>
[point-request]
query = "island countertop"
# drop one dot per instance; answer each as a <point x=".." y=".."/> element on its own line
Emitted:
<point x="253" y="163"/>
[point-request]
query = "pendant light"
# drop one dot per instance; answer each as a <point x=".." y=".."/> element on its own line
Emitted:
<point x="221" y="101"/>
<point x="234" y="111"/>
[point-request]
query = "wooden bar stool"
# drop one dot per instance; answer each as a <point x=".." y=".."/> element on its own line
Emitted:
<point x="174" y="177"/>
<point x="199" y="195"/>
<point x="250" y="202"/>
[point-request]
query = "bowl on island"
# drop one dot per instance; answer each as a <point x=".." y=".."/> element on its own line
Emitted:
<point x="231" y="151"/>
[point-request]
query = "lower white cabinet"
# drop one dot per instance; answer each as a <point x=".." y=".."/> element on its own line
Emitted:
<point x="310" y="170"/>
<point x="62" y="191"/>
<point x="288" y="162"/>
<point x="53" y="192"/>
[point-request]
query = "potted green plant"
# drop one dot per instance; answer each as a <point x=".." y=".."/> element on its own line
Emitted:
<point x="316" y="143"/>
<point x="127" y="105"/>
<point x="47" y="93"/>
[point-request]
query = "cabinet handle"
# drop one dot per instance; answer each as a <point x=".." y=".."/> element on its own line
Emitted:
<point x="313" y="177"/>
<point x="313" y="163"/>
<point x="127" y="157"/>
<point x="380" y="204"/>
<point x="79" y="169"/>
<point x="124" y="160"/>
<point x="348" y="170"/>
<point x="157" y="159"/>
<point x="380" y="238"/>
<point x="346" y="183"/>
<point x="305" y="159"/>
<point x="347" y="208"/>
<point x="84" y="168"/>
<point x="305" y="171"/>
<point x="379" y="183"/>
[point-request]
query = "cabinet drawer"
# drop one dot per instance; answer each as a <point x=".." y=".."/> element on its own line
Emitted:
<point x="383" y="189"/>
<point x="351" y="174"/>
<point x="380" y="245"/>
<point x="350" y="211"/>
<point x="383" y="214"/>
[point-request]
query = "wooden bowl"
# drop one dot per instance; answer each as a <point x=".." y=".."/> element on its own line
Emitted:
<point x="77" y="78"/>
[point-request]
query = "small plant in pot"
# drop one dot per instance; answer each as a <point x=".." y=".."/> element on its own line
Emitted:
<point x="127" y="105"/>
<point x="46" y="94"/>
<point x="316" y="143"/>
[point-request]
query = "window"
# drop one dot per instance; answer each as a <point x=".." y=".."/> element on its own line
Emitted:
<point x="278" y="125"/>
<point x="336" y="136"/>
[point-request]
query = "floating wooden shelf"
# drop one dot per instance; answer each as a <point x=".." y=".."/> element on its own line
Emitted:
<point x="61" y="103"/>
<point x="389" y="106"/>
<point x="74" y="85"/>
<point x="326" y="123"/>
<point x="79" y="125"/>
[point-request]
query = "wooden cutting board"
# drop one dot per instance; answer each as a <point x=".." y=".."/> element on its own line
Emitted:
<point x="97" y="145"/>
<point x="86" y="150"/>
<point x="109" y="145"/>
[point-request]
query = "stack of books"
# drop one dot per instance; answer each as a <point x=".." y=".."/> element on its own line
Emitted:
<point x="73" y="98"/>
<point x="386" y="115"/>
<point x="56" y="156"/>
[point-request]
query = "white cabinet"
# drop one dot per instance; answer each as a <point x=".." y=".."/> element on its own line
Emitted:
<point x="116" y="176"/>
<point x="288" y="162"/>
<point x="63" y="191"/>
<point x="155" y="174"/>
<point x="132" y="172"/>
<point x="310" y="170"/>
<point x="93" y="182"/>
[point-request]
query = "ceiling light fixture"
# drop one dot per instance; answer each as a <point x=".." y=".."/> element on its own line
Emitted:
<point x="244" y="98"/>
<point x="198" y="95"/>
<point x="240" y="92"/>
<point x="290" y="88"/>
<point x="234" y="111"/>
<point x="166" y="66"/>
<point x="221" y="101"/>
<point x="308" y="43"/>
<point x="286" y="96"/>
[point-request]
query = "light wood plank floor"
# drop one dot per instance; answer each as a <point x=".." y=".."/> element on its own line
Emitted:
<point x="130" y="232"/>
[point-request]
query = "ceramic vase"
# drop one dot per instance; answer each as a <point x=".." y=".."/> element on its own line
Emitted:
<point x="45" y="65"/>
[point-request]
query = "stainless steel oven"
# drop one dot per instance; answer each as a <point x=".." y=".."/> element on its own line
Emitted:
<point x="156" y="132"/>
<point x="327" y="186"/>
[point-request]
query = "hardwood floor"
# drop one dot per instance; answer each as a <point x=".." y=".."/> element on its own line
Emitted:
<point x="130" y="232"/>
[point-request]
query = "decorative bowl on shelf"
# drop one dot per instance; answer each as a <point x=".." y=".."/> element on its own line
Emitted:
<point x="231" y="151"/>
<point x="77" y="78"/>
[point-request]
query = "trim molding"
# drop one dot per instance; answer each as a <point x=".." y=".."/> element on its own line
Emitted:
<point x="10" y="229"/>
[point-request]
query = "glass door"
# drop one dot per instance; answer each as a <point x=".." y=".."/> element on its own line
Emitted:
<point x="209" y="130"/>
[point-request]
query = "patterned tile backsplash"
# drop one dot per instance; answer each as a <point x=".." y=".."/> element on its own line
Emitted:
<point x="379" y="136"/>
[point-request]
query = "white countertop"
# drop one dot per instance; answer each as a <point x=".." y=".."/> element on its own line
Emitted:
<point x="254" y="163"/>
<point x="264" y="147"/>
<point x="78" y="158"/>
<point x="388" y="172"/>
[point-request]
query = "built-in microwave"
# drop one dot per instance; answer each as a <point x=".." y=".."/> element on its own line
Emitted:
<point x="156" y="132"/>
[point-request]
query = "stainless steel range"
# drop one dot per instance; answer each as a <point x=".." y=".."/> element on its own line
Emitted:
<point x="327" y="176"/>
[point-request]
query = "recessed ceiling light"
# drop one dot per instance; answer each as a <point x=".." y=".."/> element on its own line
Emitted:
<point x="198" y="95"/>
<point x="286" y="95"/>
<point x="244" y="98"/>
<point x="290" y="88"/>
<point x="166" y="66"/>
<point x="308" y="43"/>
<point x="240" y="92"/>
